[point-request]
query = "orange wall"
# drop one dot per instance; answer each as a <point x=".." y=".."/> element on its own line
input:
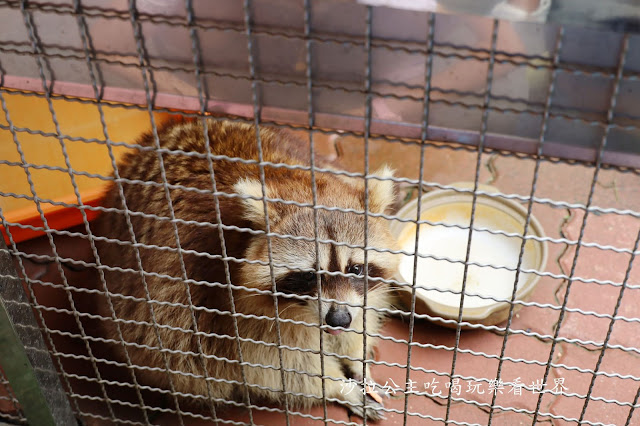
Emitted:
<point x="75" y="120"/>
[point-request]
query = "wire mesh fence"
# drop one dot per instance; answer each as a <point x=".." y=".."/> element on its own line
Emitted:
<point x="234" y="265"/>
<point x="11" y="407"/>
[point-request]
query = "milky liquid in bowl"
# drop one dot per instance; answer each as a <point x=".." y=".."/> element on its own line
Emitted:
<point x="451" y="243"/>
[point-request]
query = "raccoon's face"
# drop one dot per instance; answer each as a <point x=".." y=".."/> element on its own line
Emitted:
<point x="335" y="266"/>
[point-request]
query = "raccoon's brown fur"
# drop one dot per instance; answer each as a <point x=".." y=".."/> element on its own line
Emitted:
<point x="203" y="302"/>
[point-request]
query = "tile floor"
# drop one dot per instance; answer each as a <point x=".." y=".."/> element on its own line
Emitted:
<point x="525" y="356"/>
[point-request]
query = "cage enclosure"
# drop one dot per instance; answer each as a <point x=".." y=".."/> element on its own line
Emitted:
<point x="196" y="197"/>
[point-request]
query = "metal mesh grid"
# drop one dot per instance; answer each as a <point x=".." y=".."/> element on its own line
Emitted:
<point x="10" y="406"/>
<point x="88" y="388"/>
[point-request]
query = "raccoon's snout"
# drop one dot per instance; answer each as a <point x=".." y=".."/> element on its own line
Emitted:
<point x="337" y="317"/>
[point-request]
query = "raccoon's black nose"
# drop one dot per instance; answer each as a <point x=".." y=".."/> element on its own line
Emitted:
<point x="337" y="318"/>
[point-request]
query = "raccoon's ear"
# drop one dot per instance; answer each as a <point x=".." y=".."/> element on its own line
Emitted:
<point x="381" y="192"/>
<point x="253" y="208"/>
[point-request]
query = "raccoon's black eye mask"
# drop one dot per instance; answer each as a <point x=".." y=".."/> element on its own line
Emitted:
<point x="297" y="283"/>
<point x="305" y="283"/>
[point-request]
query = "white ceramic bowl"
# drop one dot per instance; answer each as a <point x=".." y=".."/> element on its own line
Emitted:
<point x="439" y="281"/>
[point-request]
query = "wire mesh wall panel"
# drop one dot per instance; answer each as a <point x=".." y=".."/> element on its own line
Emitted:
<point x="10" y="406"/>
<point x="338" y="213"/>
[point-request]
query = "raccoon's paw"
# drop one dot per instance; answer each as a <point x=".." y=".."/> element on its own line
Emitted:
<point x="373" y="407"/>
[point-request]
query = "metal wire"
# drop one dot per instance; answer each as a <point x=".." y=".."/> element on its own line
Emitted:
<point x="483" y="134"/>
<point x="147" y="77"/>
<point x="13" y="244"/>
<point x="543" y="133"/>
<point x="35" y="41"/>
<point x="312" y="164"/>
<point x="96" y="76"/>
<point x="239" y="260"/>
<point x="246" y="7"/>
<point x="425" y="126"/>
<point x="603" y="144"/>
<point x="368" y="40"/>
<point x="404" y="141"/>
<point x="16" y="413"/>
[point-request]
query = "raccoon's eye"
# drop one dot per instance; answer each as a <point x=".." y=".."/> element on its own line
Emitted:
<point x="356" y="269"/>
<point x="308" y="276"/>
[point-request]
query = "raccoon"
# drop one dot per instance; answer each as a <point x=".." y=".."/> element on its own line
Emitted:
<point x="204" y="301"/>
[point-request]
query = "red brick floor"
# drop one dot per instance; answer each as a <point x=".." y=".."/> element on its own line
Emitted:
<point x="526" y="357"/>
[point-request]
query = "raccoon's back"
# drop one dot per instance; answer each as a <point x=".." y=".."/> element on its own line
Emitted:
<point x="233" y="148"/>
<point x="171" y="190"/>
